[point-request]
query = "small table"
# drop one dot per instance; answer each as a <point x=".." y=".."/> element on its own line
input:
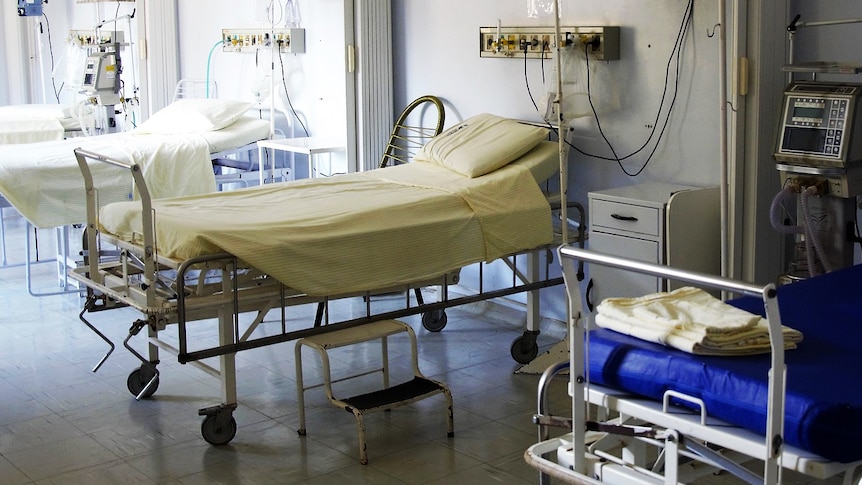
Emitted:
<point x="310" y="145"/>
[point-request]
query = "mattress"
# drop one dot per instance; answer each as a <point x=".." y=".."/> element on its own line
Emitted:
<point x="357" y="231"/>
<point x="29" y="123"/>
<point x="30" y="131"/>
<point x="824" y="375"/>
<point x="43" y="182"/>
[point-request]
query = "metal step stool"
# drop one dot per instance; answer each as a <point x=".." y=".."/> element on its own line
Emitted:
<point x="420" y="387"/>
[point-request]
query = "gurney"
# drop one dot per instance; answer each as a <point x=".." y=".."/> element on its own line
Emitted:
<point x="332" y="239"/>
<point x="43" y="183"/>
<point x="661" y="415"/>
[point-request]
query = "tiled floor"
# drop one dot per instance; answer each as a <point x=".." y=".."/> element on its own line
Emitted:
<point x="60" y="423"/>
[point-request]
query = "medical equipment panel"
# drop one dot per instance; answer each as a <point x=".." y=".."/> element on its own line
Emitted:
<point x="290" y="41"/>
<point x="29" y="8"/>
<point x="101" y="83"/>
<point x="818" y="125"/>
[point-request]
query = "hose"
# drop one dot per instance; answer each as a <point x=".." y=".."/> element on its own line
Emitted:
<point x="775" y="216"/>
<point x="811" y="236"/>
<point x="813" y="247"/>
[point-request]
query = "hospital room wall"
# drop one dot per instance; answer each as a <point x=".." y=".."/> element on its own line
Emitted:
<point x="436" y="52"/>
<point x="626" y="93"/>
<point x="313" y="81"/>
<point x="38" y="63"/>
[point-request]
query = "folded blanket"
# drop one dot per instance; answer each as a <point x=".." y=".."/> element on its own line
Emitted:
<point x="691" y="320"/>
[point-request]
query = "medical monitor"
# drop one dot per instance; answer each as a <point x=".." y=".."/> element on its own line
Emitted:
<point x="100" y="73"/>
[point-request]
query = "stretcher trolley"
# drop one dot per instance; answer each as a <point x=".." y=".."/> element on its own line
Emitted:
<point x="643" y="412"/>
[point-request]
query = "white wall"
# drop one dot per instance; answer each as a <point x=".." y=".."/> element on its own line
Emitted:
<point x="315" y="79"/>
<point x="437" y="53"/>
<point x="436" y="49"/>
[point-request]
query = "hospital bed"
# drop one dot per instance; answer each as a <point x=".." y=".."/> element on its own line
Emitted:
<point x="174" y="148"/>
<point x="228" y="257"/>
<point x="30" y="123"/>
<point x="661" y="415"/>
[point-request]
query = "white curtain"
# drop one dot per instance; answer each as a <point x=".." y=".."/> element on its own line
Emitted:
<point x="161" y="69"/>
<point x="15" y="55"/>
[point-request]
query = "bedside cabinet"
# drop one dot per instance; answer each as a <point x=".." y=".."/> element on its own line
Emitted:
<point x="668" y="224"/>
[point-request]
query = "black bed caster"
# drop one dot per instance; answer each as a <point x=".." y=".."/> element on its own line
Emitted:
<point x="524" y="348"/>
<point x="434" y="320"/>
<point x="143" y="381"/>
<point x="219" y="426"/>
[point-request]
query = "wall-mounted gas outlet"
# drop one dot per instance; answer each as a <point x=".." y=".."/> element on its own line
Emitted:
<point x="91" y="38"/>
<point x="250" y="40"/>
<point x="602" y="43"/>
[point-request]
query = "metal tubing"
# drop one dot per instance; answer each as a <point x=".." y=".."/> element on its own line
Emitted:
<point x="693" y="277"/>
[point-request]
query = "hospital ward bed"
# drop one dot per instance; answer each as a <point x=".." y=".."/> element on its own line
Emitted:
<point x="30" y="123"/>
<point x="256" y="252"/>
<point x="662" y="415"/>
<point x="174" y="149"/>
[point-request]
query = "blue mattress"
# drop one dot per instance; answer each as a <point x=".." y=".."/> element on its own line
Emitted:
<point x="824" y="375"/>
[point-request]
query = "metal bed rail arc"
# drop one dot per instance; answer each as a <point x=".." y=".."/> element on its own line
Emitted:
<point x="570" y="255"/>
<point x="667" y="272"/>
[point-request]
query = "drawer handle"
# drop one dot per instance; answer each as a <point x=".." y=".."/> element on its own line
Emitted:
<point x="624" y="218"/>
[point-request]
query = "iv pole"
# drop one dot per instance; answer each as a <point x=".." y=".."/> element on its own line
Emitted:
<point x="561" y="131"/>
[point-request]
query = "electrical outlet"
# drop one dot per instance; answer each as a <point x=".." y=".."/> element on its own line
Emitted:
<point x="250" y="40"/>
<point x="602" y="43"/>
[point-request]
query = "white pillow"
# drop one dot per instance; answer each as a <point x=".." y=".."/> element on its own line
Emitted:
<point x="194" y="115"/>
<point x="481" y="144"/>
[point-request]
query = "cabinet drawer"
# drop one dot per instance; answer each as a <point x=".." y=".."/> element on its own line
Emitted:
<point x="625" y="217"/>
<point x="615" y="282"/>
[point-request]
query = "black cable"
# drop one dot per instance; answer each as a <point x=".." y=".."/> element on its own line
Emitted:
<point x="51" y="51"/>
<point x="527" y="80"/>
<point x="676" y="53"/>
<point x="595" y="114"/>
<point x="287" y="95"/>
<point x="677" y="48"/>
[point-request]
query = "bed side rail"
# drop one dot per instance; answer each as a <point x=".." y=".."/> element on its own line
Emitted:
<point x="571" y="257"/>
<point x="83" y="157"/>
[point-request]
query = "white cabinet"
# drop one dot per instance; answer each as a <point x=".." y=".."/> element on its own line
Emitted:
<point x="676" y="225"/>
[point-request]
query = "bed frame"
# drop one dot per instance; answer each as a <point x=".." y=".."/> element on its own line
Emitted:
<point x="218" y="288"/>
<point x="66" y="256"/>
<point x="620" y="437"/>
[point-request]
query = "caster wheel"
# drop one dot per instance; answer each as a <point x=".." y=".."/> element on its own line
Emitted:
<point x="139" y="378"/>
<point x="216" y="433"/>
<point x="434" y="320"/>
<point x="524" y="350"/>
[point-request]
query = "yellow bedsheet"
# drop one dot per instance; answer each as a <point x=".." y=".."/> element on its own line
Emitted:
<point x="43" y="182"/>
<point x="353" y="232"/>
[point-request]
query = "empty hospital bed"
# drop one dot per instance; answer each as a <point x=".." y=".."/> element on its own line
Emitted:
<point x="30" y="123"/>
<point x="311" y="242"/>
<point x="174" y="148"/>
<point x="799" y="409"/>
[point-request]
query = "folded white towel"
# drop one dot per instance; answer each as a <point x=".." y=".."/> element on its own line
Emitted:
<point x="691" y="320"/>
